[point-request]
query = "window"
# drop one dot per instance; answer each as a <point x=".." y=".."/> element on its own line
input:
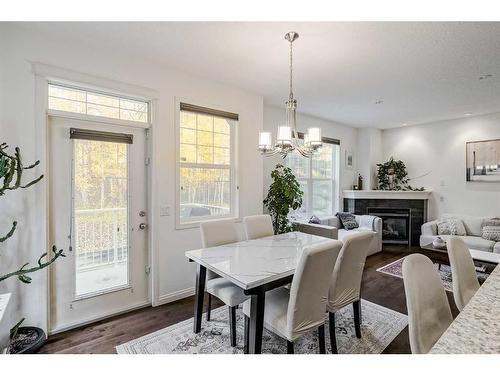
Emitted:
<point x="206" y="163"/>
<point x="69" y="99"/>
<point x="100" y="190"/>
<point x="318" y="180"/>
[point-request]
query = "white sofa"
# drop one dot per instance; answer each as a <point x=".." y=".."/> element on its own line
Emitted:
<point x="473" y="226"/>
<point x="332" y="228"/>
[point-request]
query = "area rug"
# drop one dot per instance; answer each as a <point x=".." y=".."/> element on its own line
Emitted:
<point x="378" y="328"/>
<point x="396" y="269"/>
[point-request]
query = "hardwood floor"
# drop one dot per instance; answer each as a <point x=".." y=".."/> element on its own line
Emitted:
<point x="103" y="336"/>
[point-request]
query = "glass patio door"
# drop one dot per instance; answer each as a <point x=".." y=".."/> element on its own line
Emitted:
<point x="98" y="207"/>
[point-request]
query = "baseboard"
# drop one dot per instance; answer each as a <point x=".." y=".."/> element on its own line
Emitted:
<point x="84" y="322"/>
<point x="174" y="296"/>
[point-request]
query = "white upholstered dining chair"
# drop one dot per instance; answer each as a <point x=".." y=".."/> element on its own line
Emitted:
<point x="216" y="233"/>
<point x="463" y="271"/>
<point x="258" y="226"/>
<point x="345" y="282"/>
<point x="291" y="313"/>
<point x="429" y="313"/>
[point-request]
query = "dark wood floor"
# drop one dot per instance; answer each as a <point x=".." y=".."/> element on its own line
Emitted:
<point x="103" y="336"/>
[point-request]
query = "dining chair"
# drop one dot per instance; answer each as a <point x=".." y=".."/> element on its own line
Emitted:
<point x="345" y="282"/>
<point x="216" y="233"/>
<point x="291" y="313"/>
<point x="463" y="271"/>
<point x="429" y="313"/>
<point x="258" y="226"/>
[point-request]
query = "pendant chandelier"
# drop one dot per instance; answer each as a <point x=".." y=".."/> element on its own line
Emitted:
<point x="287" y="139"/>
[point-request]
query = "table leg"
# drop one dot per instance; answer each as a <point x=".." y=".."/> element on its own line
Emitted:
<point x="201" y="276"/>
<point x="257" y="304"/>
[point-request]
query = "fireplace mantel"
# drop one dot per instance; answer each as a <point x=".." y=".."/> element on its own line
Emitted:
<point x="386" y="194"/>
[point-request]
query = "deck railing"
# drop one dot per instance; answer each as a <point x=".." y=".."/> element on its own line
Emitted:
<point x="101" y="237"/>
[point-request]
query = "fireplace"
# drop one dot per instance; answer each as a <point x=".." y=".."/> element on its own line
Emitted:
<point x="402" y="212"/>
<point x="395" y="224"/>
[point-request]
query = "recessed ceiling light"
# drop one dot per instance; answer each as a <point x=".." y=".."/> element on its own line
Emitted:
<point x="485" y="76"/>
<point x="468" y="113"/>
<point x="379" y="101"/>
<point x="404" y="124"/>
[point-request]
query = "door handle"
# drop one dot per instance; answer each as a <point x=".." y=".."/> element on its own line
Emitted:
<point x="143" y="226"/>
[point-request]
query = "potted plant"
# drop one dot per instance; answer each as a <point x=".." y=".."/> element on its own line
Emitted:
<point x="22" y="339"/>
<point x="284" y="194"/>
<point x="392" y="175"/>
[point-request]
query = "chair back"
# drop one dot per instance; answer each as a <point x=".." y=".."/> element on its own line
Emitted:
<point x="309" y="289"/>
<point x="345" y="284"/>
<point x="463" y="271"/>
<point x="216" y="233"/>
<point x="258" y="226"/>
<point x="429" y="313"/>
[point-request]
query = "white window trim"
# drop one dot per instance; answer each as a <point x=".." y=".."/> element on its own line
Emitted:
<point x="233" y="170"/>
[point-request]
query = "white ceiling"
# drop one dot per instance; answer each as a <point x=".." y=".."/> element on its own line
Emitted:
<point x="423" y="72"/>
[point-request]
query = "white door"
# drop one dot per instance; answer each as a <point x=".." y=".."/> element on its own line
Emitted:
<point x="98" y="185"/>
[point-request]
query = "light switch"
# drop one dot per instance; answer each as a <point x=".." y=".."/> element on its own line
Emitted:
<point x="441" y="198"/>
<point x="164" y="210"/>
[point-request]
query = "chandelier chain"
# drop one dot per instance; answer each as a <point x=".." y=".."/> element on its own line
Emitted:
<point x="291" y="70"/>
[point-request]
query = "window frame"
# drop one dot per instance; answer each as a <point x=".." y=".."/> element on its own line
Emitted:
<point x="335" y="179"/>
<point x="80" y="297"/>
<point x="94" y="118"/>
<point x="232" y="167"/>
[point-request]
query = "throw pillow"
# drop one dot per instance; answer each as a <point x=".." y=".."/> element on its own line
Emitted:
<point x="453" y="227"/>
<point x="314" y="220"/>
<point x="348" y="220"/>
<point x="491" y="232"/>
<point x="491" y="222"/>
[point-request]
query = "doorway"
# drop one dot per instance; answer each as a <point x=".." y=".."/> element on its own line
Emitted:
<point x="98" y="203"/>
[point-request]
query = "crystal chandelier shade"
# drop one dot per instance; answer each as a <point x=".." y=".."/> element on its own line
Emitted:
<point x="287" y="138"/>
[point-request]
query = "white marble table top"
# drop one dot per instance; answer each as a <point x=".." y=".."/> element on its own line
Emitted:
<point x="476" y="330"/>
<point x="485" y="256"/>
<point x="249" y="264"/>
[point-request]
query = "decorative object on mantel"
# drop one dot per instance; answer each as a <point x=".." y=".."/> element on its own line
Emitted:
<point x="360" y="182"/>
<point x="483" y="161"/>
<point x="392" y="175"/>
<point x="288" y="137"/>
<point x="23" y="339"/>
<point x="284" y="194"/>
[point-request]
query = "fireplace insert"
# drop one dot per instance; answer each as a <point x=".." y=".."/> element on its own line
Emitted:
<point x="395" y="225"/>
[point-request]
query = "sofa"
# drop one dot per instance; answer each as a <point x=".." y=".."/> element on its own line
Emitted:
<point x="331" y="227"/>
<point x="473" y="227"/>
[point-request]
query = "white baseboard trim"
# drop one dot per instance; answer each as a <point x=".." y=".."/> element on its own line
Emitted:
<point x="174" y="296"/>
<point x="68" y="326"/>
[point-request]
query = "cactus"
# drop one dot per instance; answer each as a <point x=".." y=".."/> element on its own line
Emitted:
<point x="11" y="178"/>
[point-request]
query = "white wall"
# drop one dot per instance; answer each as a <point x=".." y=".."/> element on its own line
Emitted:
<point x="439" y="148"/>
<point x="176" y="275"/>
<point x="273" y="117"/>
<point x="369" y="154"/>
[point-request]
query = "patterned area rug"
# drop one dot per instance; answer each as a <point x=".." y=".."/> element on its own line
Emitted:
<point x="396" y="269"/>
<point x="379" y="327"/>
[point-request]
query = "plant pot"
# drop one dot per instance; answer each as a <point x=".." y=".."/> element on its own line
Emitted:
<point x="27" y="340"/>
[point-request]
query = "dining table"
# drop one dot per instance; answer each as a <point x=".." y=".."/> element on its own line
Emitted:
<point x="476" y="329"/>
<point x="256" y="266"/>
